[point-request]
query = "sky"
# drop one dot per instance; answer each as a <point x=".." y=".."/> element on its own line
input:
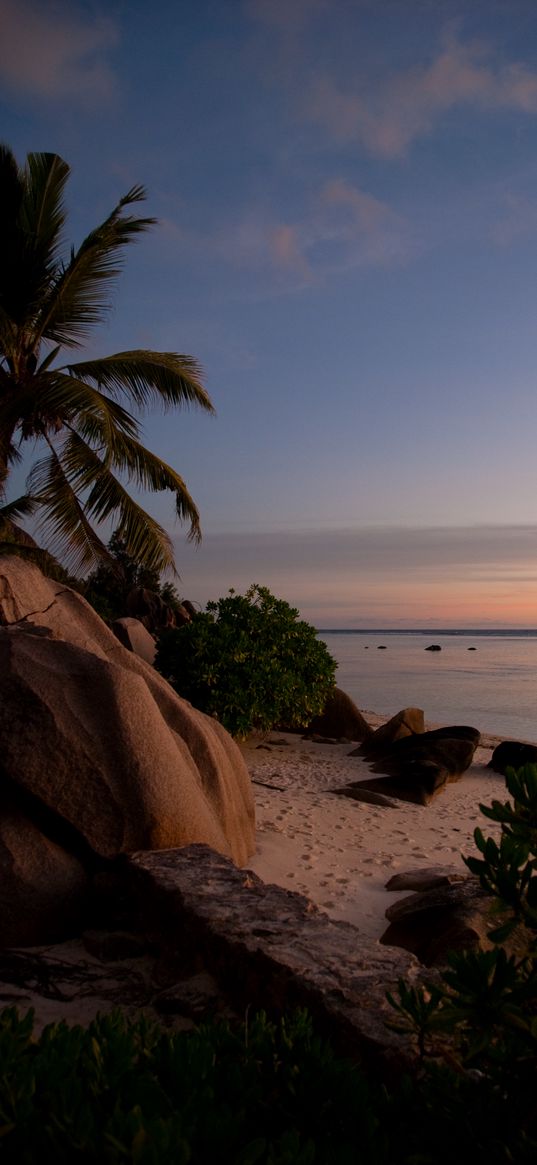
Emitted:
<point x="347" y="201"/>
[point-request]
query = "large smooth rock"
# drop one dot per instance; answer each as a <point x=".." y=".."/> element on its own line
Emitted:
<point x="453" y="917"/>
<point x="453" y="754"/>
<point x="512" y="754"/>
<point x="340" y="719"/>
<point x="407" y="722"/>
<point x="134" y="636"/>
<point x="99" y="737"/>
<point x="418" y="767"/>
<point x="42" y="887"/>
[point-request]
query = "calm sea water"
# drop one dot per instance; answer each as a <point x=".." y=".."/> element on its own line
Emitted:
<point x="494" y="688"/>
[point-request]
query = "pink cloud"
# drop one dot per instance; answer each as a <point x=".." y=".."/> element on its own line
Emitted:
<point x="285" y="249"/>
<point x="50" y="51"/>
<point x="339" y="227"/>
<point x="389" y="118"/>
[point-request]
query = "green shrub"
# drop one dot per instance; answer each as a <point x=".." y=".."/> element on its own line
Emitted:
<point x="262" y="1094"/>
<point x="249" y="661"/>
<point x="476" y="1030"/>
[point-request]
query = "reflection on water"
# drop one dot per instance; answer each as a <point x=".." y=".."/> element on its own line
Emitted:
<point x="493" y="687"/>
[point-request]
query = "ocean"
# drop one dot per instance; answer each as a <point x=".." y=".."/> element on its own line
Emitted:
<point x="493" y="687"/>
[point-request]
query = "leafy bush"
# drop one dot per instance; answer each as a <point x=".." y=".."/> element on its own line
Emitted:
<point x="476" y="1030"/>
<point x="263" y="1094"/>
<point x="249" y="661"/>
<point x="108" y="587"/>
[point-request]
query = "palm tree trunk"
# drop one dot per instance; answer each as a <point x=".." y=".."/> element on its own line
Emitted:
<point x="6" y="437"/>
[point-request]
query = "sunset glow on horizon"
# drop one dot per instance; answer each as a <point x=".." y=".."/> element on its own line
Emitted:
<point x="347" y="201"/>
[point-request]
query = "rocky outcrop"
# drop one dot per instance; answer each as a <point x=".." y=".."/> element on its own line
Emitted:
<point x="93" y="738"/>
<point x="43" y="886"/>
<point x="418" y="767"/>
<point x="428" y="878"/>
<point x="269" y="947"/>
<point x="341" y="719"/>
<point x="407" y="722"/>
<point x="512" y="754"/>
<point x="453" y="916"/>
<point x="134" y="636"/>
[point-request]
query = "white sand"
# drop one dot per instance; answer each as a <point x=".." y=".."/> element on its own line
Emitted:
<point x="340" y="852"/>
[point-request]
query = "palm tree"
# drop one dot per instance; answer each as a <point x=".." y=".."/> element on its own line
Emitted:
<point x="76" y="412"/>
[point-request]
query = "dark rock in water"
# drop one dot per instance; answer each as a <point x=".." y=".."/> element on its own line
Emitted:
<point x="382" y="647"/>
<point x="434" y="647"/>
<point x="512" y="754"/>
<point x="357" y="792"/>
<point x="431" y="924"/>
<point x="340" y="719"/>
<point x="407" y="722"/>
<point x="472" y="649"/>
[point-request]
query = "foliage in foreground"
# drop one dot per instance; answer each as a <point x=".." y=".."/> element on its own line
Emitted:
<point x="262" y="1093"/>
<point x="486" y="1000"/>
<point x="250" y="662"/>
<point x="274" y="1093"/>
<point x="122" y="1092"/>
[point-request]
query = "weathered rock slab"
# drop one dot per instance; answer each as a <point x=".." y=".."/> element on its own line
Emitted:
<point x="429" y="878"/>
<point x="271" y="947"/>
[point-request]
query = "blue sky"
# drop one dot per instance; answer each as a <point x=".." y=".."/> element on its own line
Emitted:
<point x="347" y="199"/>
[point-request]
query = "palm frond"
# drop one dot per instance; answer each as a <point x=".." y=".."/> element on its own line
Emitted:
<point x="8" y="335"/>
<point x="145" y="376"/>
<point x="42" y="213"/>
<point x="22" y="507"/>
<point x="33" y="221"/>
<point x="149" y="472"/>
<point x="106" y="499"/>
<point x="79" y="298"/>
<point x="62" y="397"/>
<point x="58" y="479"/>
<point x="72" y="538"/>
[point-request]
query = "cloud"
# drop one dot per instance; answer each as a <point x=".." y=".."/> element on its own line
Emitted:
<point x="518" y="219"/>
<point x="50" y="51"/>
<point x="406" y="106"/>
<point x="340" y="228"/>
<point x="387" y="575"/>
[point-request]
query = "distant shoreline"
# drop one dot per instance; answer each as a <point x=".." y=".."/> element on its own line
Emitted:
<point x="504" y="632"/>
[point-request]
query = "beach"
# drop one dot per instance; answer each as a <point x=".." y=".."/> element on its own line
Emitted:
<point x="341" y="853"/>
